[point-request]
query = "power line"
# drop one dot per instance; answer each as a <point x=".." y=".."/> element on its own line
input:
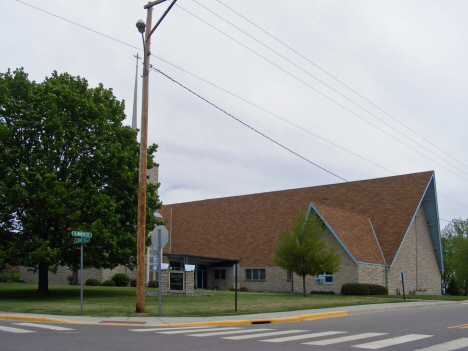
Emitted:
<point x="159" y="58"/>
<point x="276" y="142"/>
<point x="324" y="95"/>
<point x="339" y="81"/>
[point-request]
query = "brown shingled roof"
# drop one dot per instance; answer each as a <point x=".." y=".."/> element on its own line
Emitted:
<point x="247" y="226"/>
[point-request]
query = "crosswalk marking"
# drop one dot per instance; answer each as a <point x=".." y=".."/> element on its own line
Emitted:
<point x="166" y="328"/>
<point x="344" y="339"/>
<point x="303" y="336"/>
<point x="44" y="326"/>
<point x="392" y="341"/>
<point x="261" y="335"/>
<point x="229" y="332"/>
<point x="15" y="330"/>
<point x="448" y="346"/>
<point x="198" y="330"/>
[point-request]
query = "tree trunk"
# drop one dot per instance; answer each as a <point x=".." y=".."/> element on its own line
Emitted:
<point x="304" y="285"/>
<point x="43" y="286"/>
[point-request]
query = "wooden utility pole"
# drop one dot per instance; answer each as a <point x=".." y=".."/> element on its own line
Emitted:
<point x="141" y="223"/>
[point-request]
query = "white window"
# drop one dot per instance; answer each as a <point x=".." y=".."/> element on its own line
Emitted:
<point x="325" y="278"/>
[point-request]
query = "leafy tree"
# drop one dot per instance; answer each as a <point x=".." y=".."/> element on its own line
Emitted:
<point x="302" y="249"/>
<point x="67" y="163"/>
<point x="455" y="253"/>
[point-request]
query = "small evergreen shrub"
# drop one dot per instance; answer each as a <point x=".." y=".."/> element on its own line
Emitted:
<point x="354" y="289"/>
<point x="375" y="289"/>
<point x="108" y="283"/>
<point x="133" y="283"/>
<point x="153" y="284"/>
<point x="120" y="279"/>
<point x="323" y="292"/>
<point x="92" y="282"/>
<point x="243" y="288"/>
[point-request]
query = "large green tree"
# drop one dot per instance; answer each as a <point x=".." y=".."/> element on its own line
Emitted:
<point x="455" y="253"/>
<point x="67" y="163"/>
<point x="302" y="248"/>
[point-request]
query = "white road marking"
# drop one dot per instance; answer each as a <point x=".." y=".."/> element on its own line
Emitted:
<point x="166" y="328"/>
<point x="304" y="336"/>
<point x="392" y="341"/>
<point x="261" y="335"/>
<point x="198" y="330"/>
<point x="448" y="346"/>
<point x="15" y="330"/>
<point x="229" y="332"/>
<point x="344" y="339"/>
<point x="44" y="326"/>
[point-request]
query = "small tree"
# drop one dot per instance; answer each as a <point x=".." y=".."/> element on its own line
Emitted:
<point x="302" y="249"/>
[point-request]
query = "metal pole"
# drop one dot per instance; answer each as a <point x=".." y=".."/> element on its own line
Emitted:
<point x="135" y="96"/>
<point x="235" y="287"/>
<point x="81" y="292"/>
<point x="159" y="270"/>
<point x="140" y="293"/>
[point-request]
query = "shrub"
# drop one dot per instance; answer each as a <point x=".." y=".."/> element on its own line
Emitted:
<point x="133" y="283"/>
<point x="453" y="288"/>
<point x="92" y="282"/>
<point x="354" y="289"/>
<point x="153" y="284"/>
<point x="108" y="283"/>
<point x="4" y="278"/>
<point x="120" y="279"/>
<point x="323" y="292"/>
<point x="243" y="288"/>
<point x="375" y="289"/>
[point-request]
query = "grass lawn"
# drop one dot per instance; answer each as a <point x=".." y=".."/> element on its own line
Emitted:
<point x="6" y="277"/>
<point x="103" y="301"/>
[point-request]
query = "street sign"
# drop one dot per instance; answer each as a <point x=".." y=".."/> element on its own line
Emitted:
<point x="82" y="234"/>
<point x="82" y="240"/>
<point x="164" y="236"/>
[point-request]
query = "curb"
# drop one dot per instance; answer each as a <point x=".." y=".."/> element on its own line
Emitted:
<point x="31" y="319"/>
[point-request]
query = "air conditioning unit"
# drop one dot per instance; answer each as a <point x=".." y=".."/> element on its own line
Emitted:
<point x="319" y="280"/>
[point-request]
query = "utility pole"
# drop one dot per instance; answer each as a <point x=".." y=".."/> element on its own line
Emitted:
<point x="141" y="223"/>
<point x="135" y="96"/>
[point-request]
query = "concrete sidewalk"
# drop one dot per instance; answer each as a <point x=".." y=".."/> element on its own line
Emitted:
<point x="277" y="317"/>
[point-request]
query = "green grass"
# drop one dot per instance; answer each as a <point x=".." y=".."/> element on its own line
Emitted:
<point x="6" y="277"/>
<point x="102" y="301"/>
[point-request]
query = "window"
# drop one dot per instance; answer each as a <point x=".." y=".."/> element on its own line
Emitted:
<point x="325" y="278"/>
<point x="220" y="274"/>
<point x="255" y="274"/>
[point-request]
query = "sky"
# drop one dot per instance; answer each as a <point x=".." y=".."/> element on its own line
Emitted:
<point x="302" y="93"/>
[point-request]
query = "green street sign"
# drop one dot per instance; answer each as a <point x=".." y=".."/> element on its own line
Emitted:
<point x="82" y="240"/>
<point x="82" y="234"/>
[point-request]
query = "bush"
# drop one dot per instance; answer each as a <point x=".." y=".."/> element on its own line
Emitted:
<point x="4" y="278"/>
<point x="120" y="279"/>
<point x="153" y="284"/>
<point x="133" y="283"/>
<point x="108" y="283"/>
<point x="323" y="292"/>
<point x="453" y="288"/>
<point x="375" y="289"/>
<point x="363" y="289"/>
<point x="243" y="288"/>
<point x="92" y="282"/>
<point x="354" y="289"/>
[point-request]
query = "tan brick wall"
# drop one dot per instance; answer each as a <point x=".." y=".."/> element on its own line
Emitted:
<point x="372" y="274"/>
<point x="428" y="274"/>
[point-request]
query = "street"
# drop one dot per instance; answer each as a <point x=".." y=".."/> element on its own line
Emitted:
<point x="430" y="328"/>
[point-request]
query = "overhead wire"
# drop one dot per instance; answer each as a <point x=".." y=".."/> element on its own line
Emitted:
<point x="339" y="81"/>
<point x="328" y="97"/>
<point x="132" y="46"/>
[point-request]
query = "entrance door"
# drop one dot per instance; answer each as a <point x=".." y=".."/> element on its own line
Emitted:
<point x="202" y="276"/>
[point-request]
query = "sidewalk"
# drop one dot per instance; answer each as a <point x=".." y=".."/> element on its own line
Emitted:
<point x="277" y="317"/>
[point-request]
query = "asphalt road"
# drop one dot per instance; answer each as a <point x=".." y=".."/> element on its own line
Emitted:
<point x="436" y="328"/>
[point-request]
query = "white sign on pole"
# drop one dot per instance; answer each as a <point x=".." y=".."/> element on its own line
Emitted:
<point x="164" y="236"/>
<point x="235" y="271"/>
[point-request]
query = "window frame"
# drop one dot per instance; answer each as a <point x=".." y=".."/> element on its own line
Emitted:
<point x="255" y="274"/>
<point x="324" y="277"/>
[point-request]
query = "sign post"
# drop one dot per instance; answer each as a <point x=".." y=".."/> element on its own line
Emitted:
<point x="159" y="239"/>
<point x="83" y="237"/>
<point x="236" y="279"/>
<point x="402" y="277"/>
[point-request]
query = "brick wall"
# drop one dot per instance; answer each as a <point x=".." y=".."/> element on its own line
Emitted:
<point x="372" y="274"/>
<point x="428" y="276"/>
